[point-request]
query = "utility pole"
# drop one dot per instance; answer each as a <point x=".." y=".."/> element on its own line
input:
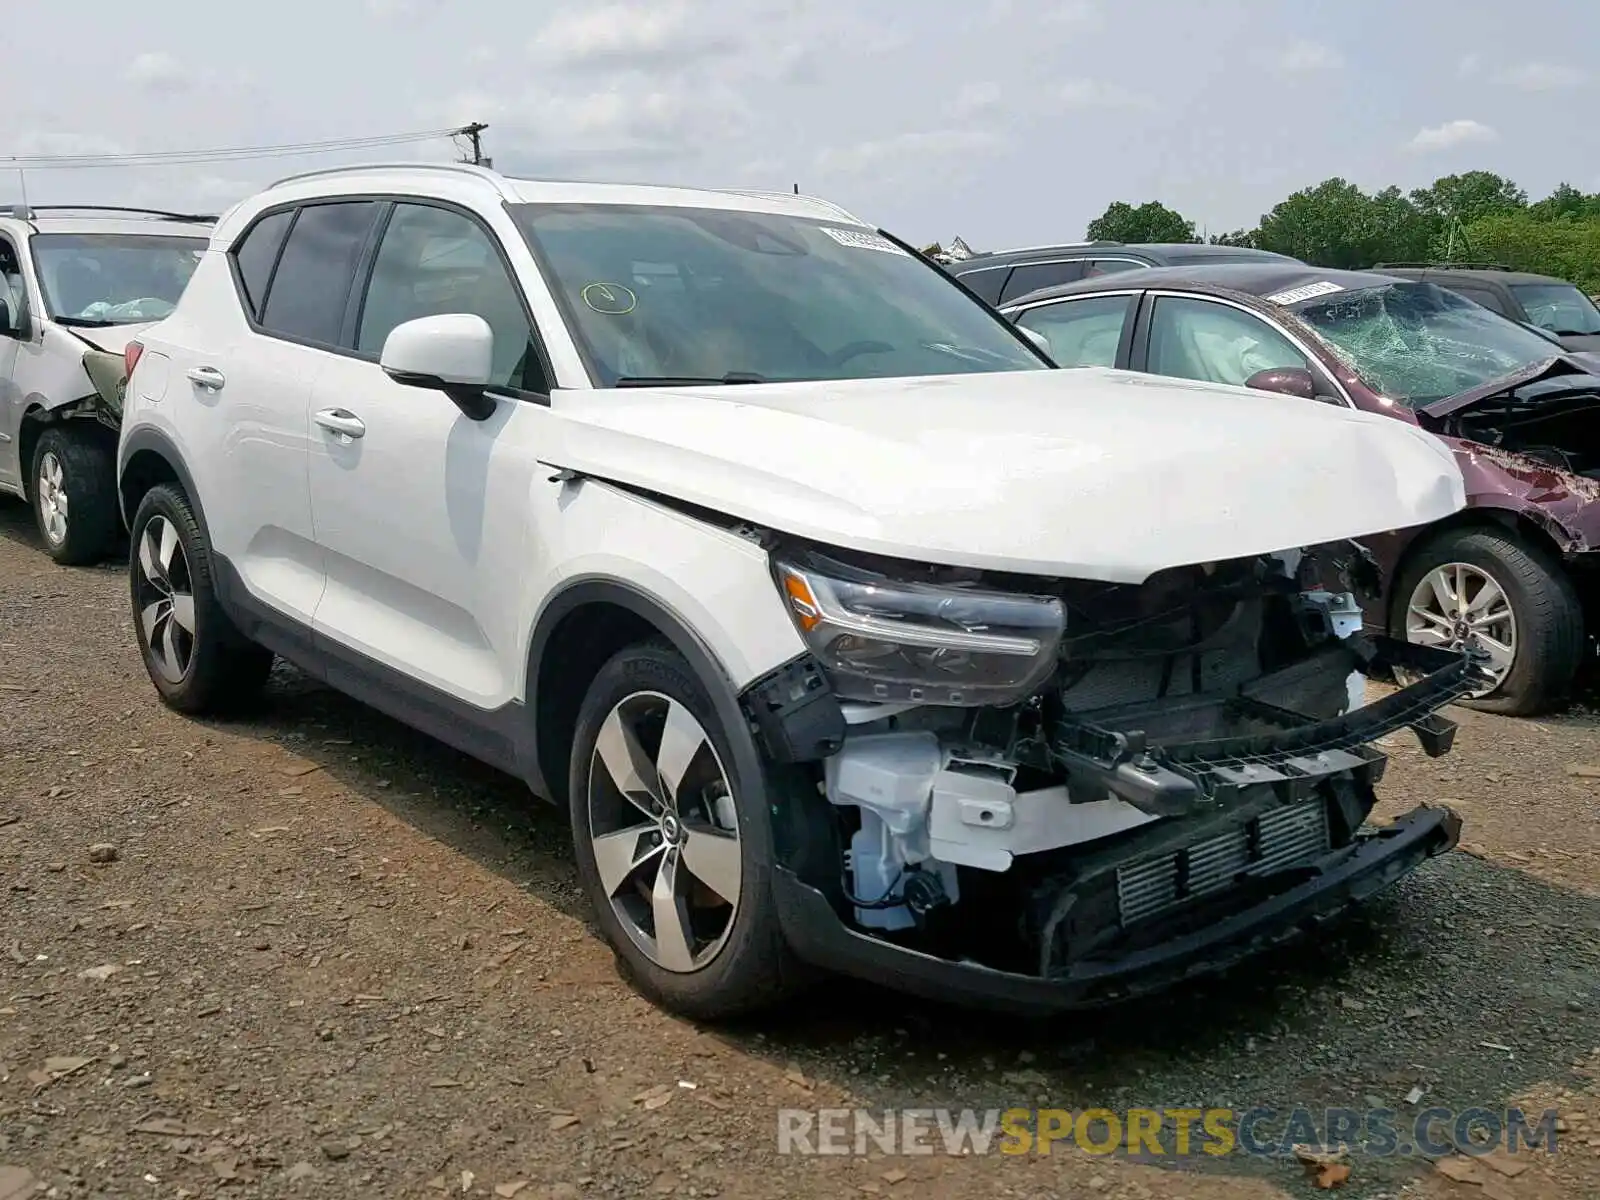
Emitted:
<point x="474" y="134"/>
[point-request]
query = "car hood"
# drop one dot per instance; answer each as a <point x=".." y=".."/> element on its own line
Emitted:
<point x="1089" y="473"/>
<point x="1561" y="373"/>
<point x="1587" y="342"/>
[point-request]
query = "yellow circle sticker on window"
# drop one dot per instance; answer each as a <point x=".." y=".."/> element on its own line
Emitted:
<point x="610" y="298"/>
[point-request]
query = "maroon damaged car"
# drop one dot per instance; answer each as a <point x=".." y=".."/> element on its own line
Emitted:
<point x="1513" y="573"/>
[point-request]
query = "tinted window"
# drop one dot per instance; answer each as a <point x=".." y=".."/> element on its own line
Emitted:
<point x="1081" y="333"/>
<point x="1034" y="276"/>
<point x="312" y="282"/>
<point x="1109" y="266"/>
<point x="1485" y="297"/>
<point x="434" y="261"/>
<point x="256" y="254"/>
<point x="985" y="281"/>
<point x="1214" y="343"/>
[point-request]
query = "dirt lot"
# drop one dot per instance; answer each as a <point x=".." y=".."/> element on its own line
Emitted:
<point x="331" y="958"/>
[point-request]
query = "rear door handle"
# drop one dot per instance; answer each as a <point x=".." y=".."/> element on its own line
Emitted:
<point x="207" y="377"/>
<point x="341" y="421"/>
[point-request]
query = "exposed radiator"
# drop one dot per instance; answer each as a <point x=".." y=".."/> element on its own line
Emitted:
<point x="1282" y="837"/>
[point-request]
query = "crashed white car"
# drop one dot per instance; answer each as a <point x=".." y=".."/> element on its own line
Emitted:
<point x="851" y="634"/>
<point x="76" y="283"/>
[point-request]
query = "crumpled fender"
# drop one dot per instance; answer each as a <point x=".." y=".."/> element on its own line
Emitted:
<point x="1565" y="506"/>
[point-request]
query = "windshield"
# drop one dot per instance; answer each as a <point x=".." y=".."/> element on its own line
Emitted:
<point x="664" y="294"/>
<point x="1559" y="307"/>
<point x="113" y="278"/>
<point x="1417" y="343"/>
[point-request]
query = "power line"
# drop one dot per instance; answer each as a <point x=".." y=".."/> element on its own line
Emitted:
<point x="220" y="154"/>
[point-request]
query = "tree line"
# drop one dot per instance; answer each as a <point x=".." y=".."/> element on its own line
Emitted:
<point x="1478" y="216"/>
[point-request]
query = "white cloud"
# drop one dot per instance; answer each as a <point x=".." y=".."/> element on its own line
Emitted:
<point x="1468" y="66"/>
<point x="1542" y="77"/>
<point x="975" y="98"/>
<point x="158" y="71"/>
<point x="1090" y="93"/>
<point x="626" y="35"/>
<point x="1452" y="134"/>
<point x="1302" y="55"/>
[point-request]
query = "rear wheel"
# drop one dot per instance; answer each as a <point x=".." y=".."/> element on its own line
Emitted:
<point x="673" y="857"/>
<point x="1507" y="597"/>
<point x="197" y="659"/>
<point x="73" y="494"/>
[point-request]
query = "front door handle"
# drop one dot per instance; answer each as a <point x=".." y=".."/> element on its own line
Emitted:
<point x="342" y="421"/>
<point x="207" y="377"/>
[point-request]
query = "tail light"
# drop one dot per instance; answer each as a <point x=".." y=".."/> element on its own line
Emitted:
<point x="130" y="358"/>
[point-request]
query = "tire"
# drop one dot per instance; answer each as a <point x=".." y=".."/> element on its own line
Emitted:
<point x="1547" y="614"/>
<point x="210" y="668"/>
<point x="73" y="493"/>
<point x="731" y="964"/>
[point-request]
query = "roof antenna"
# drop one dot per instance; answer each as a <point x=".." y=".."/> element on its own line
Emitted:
<point x="22" y="179"/>
<point x="797" y="189"/>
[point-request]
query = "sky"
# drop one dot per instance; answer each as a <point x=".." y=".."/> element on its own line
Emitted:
<point x="1006" y="122"/>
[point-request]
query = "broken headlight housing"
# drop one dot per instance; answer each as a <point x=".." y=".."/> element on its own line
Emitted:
<point x="888" y="640"/>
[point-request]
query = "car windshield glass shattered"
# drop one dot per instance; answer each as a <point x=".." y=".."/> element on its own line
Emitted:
<point x="1417" y="343"/>
<point x="113" y="279"/>
<point x="665" y="294"/>
<point x="1559" y="307"/>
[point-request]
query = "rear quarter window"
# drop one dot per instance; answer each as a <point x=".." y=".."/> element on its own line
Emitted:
<point x="256" y="254"/>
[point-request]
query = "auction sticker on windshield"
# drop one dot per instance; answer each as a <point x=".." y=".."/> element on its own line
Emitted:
<point x="1305" y="292"/>
<point x="861" y="239"/>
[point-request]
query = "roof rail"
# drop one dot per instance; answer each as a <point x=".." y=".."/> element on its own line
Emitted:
<point x="777" y="195"/>
<point x="477" y="172"/>
<point x="1442" y="266"/>
<point x="25" y="212"/>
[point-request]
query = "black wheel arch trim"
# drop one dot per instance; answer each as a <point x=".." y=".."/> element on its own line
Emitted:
<point x="708" y="669"/>
<point x="147" y="439"/>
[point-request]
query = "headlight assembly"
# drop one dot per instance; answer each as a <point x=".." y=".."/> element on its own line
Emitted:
<point x="885" y="640"/>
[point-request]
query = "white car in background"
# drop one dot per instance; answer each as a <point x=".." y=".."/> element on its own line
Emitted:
<point x="76" y="283"/>
<point x="849" y="632"/>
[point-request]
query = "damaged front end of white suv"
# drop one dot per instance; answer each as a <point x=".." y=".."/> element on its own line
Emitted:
<point x="1057" y="793"/>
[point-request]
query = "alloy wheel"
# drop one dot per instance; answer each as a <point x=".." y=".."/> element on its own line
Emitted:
<point x="664" y="831"/>
<point x="164" y="597"/>
<point x="1458" y="605"/>
<point x="52" y="493"/>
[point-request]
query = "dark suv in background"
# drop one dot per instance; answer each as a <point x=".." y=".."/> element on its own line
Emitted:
<point x="1003" y="275"/>
<point x="1543" y="301"/>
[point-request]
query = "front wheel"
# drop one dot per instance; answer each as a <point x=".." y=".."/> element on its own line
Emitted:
<point x="673" y="857"/>
<point x="1511" y="599"/>
<point x="73" y="492"/>
<point x="198" y="661"/>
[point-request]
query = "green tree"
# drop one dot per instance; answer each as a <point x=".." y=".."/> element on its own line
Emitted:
<point x="1336" y="224"/>
<point x="1566" y="202"/>
<point x="1150" y="222"/>
<point x="1469" y="197"/>
<point x="1568" y="248"/>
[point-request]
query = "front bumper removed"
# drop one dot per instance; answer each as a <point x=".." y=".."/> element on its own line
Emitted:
<point x="1337" y="882"/>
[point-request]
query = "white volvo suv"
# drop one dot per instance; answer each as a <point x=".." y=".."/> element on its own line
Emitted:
<point x="853" y="635"/>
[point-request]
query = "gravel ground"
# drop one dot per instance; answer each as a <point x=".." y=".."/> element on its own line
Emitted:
<point x="332" y="958"/>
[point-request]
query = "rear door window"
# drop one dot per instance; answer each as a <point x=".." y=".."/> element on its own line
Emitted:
<point x="1032" y="276"/>
<point x="311" y="285"/>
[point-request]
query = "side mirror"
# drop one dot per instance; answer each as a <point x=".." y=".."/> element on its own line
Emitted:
<point x="452" y="353"/>
<point x="8" y="320"/>
<point x="1289" y="381"/>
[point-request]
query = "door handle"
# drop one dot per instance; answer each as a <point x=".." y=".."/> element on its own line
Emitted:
<point x="207" y="377"/>
<point x="341" y="421"/>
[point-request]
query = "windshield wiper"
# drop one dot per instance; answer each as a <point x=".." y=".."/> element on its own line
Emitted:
<point x="84" y="322"/>
<point x="689" y="380"/>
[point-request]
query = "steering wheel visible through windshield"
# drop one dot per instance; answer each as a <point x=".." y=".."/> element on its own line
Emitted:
<point x="665" y="294"/>
<point x="1417" y="343"/>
